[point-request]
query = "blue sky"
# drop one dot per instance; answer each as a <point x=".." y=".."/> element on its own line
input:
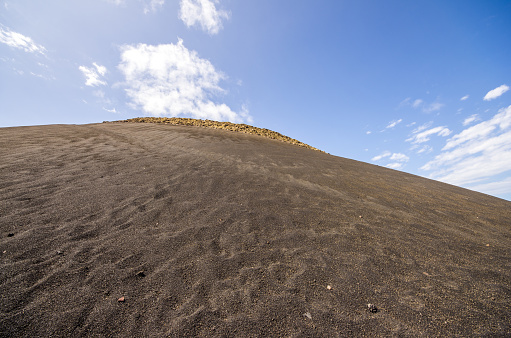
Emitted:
<point x="418" y="86"/>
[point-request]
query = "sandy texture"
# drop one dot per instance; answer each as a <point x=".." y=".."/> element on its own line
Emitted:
<point x="237" y="127"/>
<point x="212" y="233"/>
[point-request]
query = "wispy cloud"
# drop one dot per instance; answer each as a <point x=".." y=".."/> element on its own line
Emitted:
<point x="419" y="103"/>
<point x="203" y="13"/>
<point x="398" y="160"/>
<point x="170" y="80"/>
<point x="420" y="136"/>
<point x="117" y="2"/>
<point x="393" y="124"/>
<point x="149" y="5"/>
<point x="424" y="148"/>
<point x="113" y="110"/>
<point x="494" y="188"/>
<point x="422" y="127"/>
<point x="20" y="41"/>
<point x="470" y="119"/>
<point x="432" y="107"/>
<point x="405" y="102"/>
<point x="464" y="98"/>
<point x="477" y="153"/>
<point x="494" y="93"/>
<point x="395" y="165"/>
<point x="382" y="155"/>
<point x="153" y="6"/>
<point x="93" y="75"/>
<point x="399" y="157"/>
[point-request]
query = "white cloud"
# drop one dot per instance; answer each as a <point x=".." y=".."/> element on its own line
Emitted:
<point x="170" y="80"/>
<point x="423" y="127"/>
<point x="20" y="41"/>
<point x="494" y="188"/>
<point x="423" y="149"/>
<point x="113" y="110"/>
<point x="464" y="98"/>
<point x="481" y="130"/>
<point x="417" y="103"/>
<point x="494" y="93"/>
<point x="37" y="75"/>
<point x="101" y="70"/>
<point x="432" y="107"/>
<point x="395" y="165"/>
<point x="398" y="158"/>
<point x="470" y="119"/>
<point x="203" y="13"/>
<point x="405" y="102"/>
<point x="149" y="5"/>
<point x="153" y="6"/>
<point x="379" y="157"/>
<point x="393" y="124"/>
<point x="477" y="153"/>
<point x="99" y="93"/>
<point x="424" y="136"/>
<point x="93" y="75"/>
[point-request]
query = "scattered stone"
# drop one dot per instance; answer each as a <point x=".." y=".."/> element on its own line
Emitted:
<point x="372" y="308"/>
<point x="59" y="252"/>
<point x="360" y="216"/>
<point x="10" y="234"/>
<point x="141" y="274"/>
<point x="308" y="315"/>
<point x="121" y="300"/>
<point x="329" y="287"/>
<point x="242" y="128"/>
<point x="488" y="244"/>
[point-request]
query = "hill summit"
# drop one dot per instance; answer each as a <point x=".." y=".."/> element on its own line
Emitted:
<point x="161" y="230"/>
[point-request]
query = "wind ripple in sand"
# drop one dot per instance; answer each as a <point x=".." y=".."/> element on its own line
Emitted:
<point x="236" y="236"/>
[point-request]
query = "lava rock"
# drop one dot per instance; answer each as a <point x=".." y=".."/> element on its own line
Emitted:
<point x="372" y="308"/>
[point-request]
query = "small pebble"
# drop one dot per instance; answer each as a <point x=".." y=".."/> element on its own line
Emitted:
<point x="487" y="244"/>
<point x="59" y="252"/>
<point x="329" y="287"/>
<point x="10" y="234"/>
<point x="308" y="315"/>
<point x="121" y="300"/>
<point x="141" y="274"/>
<point x="372" y="308"/>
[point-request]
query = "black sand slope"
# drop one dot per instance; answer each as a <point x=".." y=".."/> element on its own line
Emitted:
<point x="147" y="230"/>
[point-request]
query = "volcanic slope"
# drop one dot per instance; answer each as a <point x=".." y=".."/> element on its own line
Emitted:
<point x="150" y="230"/>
